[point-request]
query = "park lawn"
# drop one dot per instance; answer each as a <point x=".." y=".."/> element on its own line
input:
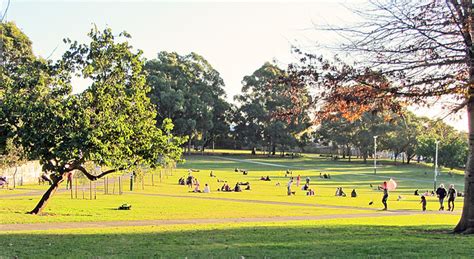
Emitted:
<point x="148" y="204"/>
<point x="347" y="175"/>
<point x="402" y="236"/>
<point x="144" y="207"/>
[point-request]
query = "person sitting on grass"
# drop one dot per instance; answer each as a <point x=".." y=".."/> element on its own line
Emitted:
<point x="189" y="180"/>
<point x="340" y="192"/>
<point x="181" y="181"/>
<point x="416" y="193"/>
<point x="310" y="192"/>
<point x="353" y="193"/>
<point x="248" y="187"/>
<point x="212" y="174"/>
<point x="305" y="187"/>
<point x="196" y="188"/>
<point x="206" y="189"/>
<point x="237" y="188"/>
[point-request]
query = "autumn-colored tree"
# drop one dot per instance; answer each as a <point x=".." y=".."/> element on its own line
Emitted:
<point x="406" y="52"/>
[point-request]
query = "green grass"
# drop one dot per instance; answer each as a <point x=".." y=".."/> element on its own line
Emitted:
<point x="377" y="237"/>
<point x="419" y="235"/>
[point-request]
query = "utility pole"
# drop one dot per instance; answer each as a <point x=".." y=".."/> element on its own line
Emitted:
<point x="436" y="165"/>
<point x="375" y="154"/>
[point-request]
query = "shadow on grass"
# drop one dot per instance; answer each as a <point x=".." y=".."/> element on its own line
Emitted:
<point x="269" y="241"/>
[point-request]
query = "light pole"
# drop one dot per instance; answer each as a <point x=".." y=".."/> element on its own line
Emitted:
<point x="436" y="165"/>
<point x="375" y="154"/>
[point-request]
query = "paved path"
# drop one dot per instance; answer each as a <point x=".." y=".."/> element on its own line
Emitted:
<point x="132" y="223"/>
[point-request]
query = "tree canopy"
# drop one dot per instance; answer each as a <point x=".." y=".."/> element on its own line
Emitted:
<point x="188" y="90"/>
<point x="112" y="123"/>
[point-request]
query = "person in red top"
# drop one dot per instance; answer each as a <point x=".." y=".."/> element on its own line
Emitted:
<point x="298" y="179"/>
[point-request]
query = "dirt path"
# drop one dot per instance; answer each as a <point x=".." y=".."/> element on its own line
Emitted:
<point x="132" y="223"/>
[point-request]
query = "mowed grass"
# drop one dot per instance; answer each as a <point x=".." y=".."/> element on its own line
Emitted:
<point x="374" y="237"/>
<point x="419" y="235"/>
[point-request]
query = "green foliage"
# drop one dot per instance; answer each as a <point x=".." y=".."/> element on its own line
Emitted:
<point x="452" y="147"/>
<point x="112" y="123"/>
<point x="264" y="98"/>
<point x="190" y="91"/>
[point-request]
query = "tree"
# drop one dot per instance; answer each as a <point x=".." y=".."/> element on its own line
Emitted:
<point x="452" y="148"/>
<point x="112" y="123"/>
<point x="402" y="135"/>
<point x="407" y="51"/>
<point x="260" y="118"/>
<point x="190" y="91"/>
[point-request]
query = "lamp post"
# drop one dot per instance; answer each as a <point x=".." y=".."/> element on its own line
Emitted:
<point x="375" y="154"/>
<point x="436" y="165"/>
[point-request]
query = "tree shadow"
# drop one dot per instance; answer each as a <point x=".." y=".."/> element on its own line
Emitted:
<point x="237" y="242"/>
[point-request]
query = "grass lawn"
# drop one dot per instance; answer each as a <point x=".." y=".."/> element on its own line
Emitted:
<point x="374" y="237"/>
<point x="397" y="236"/>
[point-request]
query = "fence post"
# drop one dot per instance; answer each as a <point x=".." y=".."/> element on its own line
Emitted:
<point x="75" y="185"/>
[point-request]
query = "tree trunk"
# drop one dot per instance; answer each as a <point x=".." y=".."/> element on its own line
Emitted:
<point x="349" y="151"/>
<point x="189" y="143"/>
<point x="254" y="151"/>
<point x="466" y="223"/>
<point x="273" y="150"/>
<point x="14" y="177"/>
<point x="47" y="195"/>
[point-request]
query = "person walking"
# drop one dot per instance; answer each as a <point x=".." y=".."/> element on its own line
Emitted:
<point x="451" y="196"/>
<point x="385" y="195"/>
<point x="423" y="203"/>
<point x="441" y="193"/>
<point x="298" y="179"/>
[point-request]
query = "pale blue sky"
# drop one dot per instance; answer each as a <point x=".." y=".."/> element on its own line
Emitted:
<point x="235" y="37"/>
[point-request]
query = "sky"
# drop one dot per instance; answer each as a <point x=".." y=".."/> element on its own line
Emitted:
<point x="235" y="37"/>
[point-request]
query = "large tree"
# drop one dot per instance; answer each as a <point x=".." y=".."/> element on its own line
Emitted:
<point x="260" y="118"/>
<point x="407" y="52"/>
<point x="190" y="91"/>
<point x="112" y="123"/>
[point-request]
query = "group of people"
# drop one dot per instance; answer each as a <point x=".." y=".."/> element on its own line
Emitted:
<point x="309" y="191"/>
<point x="324" y="176"/>
<point x="442" y="194"/>
<point x="340" y="192"/>
<point x="243" y="171"/>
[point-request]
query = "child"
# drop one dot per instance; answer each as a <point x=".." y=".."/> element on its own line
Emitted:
<point x="423" y="202"/>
